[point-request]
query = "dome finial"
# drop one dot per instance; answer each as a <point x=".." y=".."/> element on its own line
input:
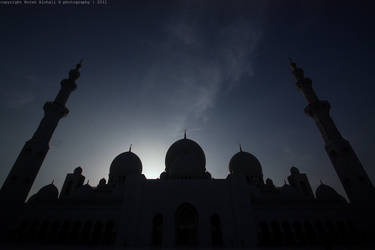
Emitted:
<point x="292" y="64"/>
<point x="87" y="182"/>
<point x="246" y="164"/>
<point x="321" y="182"/>
<point x="185" y="158"/>
<point x="298" y="73"/>
<point x="52" y="181"/>
<point x="125" y="164"/>
<point x="185" y="134"/>
<point x="130" y="148"/>
<point x="74" y="73"/>
<point x="79" y="65"/>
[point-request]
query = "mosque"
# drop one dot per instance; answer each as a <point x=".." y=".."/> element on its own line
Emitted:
<point x="186" y="207"/>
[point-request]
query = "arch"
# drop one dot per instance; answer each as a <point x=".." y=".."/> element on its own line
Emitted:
<point x="289" y="235"/>
<point x="53" y="231"/>
<point x="22" y="230"/>
<point x="331" y="232"/>
<point x="300" y="237"/>
<point x="264" y="234"/>
<point x="74" y="234"/>
<point x="33" y="232"/>
<point x="97" y="234"/>
<point x="310" y="233"/>
<point x="355" y="236"/>
<point x="321" y="236"/>
<point x="186" y="226"/>
<point x="216" y="233"/>
<point x="109" y="233"/>
<point x="276" y="233"/>
<point x="157" y="230"/>
<point x="86" y="230"/>
<point x="63" y="234"/>
<point x="342" y="232"/>
<point x="43" y="231"/>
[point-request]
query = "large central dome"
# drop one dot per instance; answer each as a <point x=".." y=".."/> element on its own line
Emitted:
<point x="185" y="159"/>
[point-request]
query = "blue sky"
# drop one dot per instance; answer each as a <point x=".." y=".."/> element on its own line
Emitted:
<point x="217" y="69"/>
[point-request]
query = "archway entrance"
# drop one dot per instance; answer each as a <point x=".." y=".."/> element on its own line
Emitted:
<point x="186" y="226"/>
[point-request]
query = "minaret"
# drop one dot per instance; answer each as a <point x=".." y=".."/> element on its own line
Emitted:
<point x="24" y="171"/>
<point x="353" y="177"/>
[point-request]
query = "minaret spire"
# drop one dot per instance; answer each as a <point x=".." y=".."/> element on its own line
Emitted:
<point x="353" y="176"/>
<point x="25" y="169"/>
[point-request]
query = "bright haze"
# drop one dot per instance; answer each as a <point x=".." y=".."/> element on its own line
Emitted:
<point x="218" y="69"/>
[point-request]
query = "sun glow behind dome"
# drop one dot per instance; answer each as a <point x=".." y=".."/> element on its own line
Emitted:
<point x="153" y="161"/>
<point x="149" y="147"/>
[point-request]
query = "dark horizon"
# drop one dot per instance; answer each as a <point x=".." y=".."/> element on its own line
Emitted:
<point x="220" y="71"/>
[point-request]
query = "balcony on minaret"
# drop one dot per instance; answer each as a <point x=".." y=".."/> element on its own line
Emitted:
<point x="32" y="155"/>
<point x="55" y="108"/>
<point x="305" y="86"/>
<point x="67" y="87"/>
<point x="349" y="169"/>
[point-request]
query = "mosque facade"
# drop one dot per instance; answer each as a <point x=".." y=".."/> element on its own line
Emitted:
<point x="186" y="207"/>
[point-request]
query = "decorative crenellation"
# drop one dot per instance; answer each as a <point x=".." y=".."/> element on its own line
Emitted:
<point x="349" y="169"/>
<point x="24" y="171"/>
<point x="55" y="108"/>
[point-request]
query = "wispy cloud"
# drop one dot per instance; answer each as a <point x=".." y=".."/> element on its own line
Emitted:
<point x="18" y="90"/>
<point x="199" y="58"/>
<point x="16" y="99"/>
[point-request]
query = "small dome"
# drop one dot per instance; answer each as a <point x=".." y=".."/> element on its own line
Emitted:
<point x="269" y="182"/>
<point x="246" y="164"/>
<point x="327" y="193"/>
<point x="123" y="165"/>
<point x="294" y="170"/>
<point x="46" y="193"/>
<point x="77" y="170"/>
<point x="208" y="175"/>
<point x="163" y="176"/>
<point x="185" y="159"/>
<point x="102" y="182"/>
<point x="49" y="191"/>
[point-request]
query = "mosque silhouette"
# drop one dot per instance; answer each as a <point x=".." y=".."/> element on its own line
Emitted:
<point x="186" y="207"/>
